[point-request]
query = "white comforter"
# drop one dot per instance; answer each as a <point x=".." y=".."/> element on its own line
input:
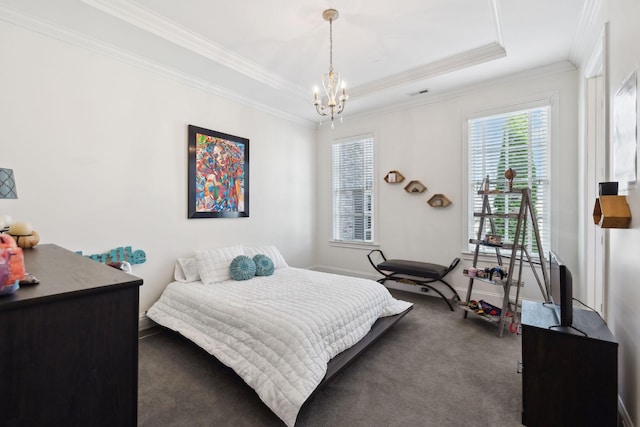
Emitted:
<point x="277" y="332"/>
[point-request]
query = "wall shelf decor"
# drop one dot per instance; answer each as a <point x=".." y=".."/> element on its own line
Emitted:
<point x="612" y="212"/>
<point x="393" y="177"/>
<point x="415" y="187"/>
<point x="439" y="201"/>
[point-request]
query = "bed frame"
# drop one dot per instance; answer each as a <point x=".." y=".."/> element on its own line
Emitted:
<point x="342" y="360"/>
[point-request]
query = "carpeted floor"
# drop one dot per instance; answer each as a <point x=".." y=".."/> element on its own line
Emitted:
<point x="433" y="368"/>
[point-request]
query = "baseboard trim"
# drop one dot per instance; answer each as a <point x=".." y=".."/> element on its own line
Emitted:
<point x="625" y="419"/>
<point x="343" y="271"/>
<point x="144" y="322"/>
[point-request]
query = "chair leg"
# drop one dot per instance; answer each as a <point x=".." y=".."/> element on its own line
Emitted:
<point x="425" y="284"/>
<point x="452" y="290"/>
<point x="439" y="293"/>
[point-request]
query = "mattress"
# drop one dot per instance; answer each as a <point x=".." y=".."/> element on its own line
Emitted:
<point x="277" y="332"/>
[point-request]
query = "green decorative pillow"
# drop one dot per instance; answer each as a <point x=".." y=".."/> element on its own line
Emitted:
<point x="242" y="268"/>
<point x="264" y="265"/>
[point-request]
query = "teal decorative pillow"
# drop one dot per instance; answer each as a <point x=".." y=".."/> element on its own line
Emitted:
<point x="242" y="268"/>
<point x="264" y="265"/>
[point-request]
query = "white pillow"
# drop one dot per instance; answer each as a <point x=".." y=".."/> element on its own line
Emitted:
<point x="213" y="264"/>
<point x="270" y="251"/>
<point x="186" y="270"/>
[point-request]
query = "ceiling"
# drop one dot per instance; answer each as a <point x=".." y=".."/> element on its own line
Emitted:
<point x="271" y="54"/>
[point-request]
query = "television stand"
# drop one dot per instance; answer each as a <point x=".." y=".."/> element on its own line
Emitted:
<point x="568" y="330"/>
<point x="569" y="379"/>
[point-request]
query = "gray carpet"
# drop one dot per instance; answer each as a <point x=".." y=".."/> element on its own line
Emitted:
<point x="433" y="368"/>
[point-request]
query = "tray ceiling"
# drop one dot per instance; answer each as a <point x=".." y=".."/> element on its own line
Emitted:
<point x="271" y="54"/>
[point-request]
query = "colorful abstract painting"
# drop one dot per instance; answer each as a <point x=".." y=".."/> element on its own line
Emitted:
<point x="218" y="174"/>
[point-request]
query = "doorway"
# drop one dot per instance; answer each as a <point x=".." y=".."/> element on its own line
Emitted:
<point x="596" y="170"/>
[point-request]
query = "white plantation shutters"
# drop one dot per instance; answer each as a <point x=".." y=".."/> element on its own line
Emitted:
<point x="353" y="181"/>
<point x="518" y="140"/>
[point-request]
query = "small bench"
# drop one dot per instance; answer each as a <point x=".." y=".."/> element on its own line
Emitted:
<point x="414" y="273"/>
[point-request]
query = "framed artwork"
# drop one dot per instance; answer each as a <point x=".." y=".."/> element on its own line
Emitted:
<point x="625" y="133"/>
<point x="218" y="174"/>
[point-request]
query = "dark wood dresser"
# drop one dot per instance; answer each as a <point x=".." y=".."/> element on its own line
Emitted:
<point x="569" y="379"/>
<point x="69" y="345"/>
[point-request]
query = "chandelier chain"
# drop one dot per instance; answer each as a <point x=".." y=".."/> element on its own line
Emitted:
<point x="330" y="45"/>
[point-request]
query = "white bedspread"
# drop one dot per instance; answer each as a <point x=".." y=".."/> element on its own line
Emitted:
<point x="277" y="332"/>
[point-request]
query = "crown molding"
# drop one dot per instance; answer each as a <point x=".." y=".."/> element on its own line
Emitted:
<point x="91" y="44"/>
<point x="148" y="21"/>
<point x="590" y="11"/>
<point x="452" y="63"/>
<point x="167" y="30"/>
<point x="595" y="65"/>
<point x="456" y="62"/>
<point x="496" y="17"/>
<point x="547" y="70"/>
<point x="446" y="65"/>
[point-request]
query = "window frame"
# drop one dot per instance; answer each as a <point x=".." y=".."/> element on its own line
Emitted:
<point x="550" y="100"/>
<point x="374" y="195"/>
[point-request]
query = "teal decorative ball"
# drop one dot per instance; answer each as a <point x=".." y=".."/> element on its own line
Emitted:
<point x="264" y="265"/>
<point x="242" y="268"/>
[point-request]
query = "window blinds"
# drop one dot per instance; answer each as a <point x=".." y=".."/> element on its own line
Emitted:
<point x="353" y="181"/>
<point x="517" y="140"/>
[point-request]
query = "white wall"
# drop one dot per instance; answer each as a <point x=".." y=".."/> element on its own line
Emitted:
<point x="99" y="151"/>
<point x="426" y="143"/>
<point x="622" y="291"/>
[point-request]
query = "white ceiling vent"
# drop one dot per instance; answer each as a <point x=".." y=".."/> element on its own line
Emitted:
<point x="420" y="92"/>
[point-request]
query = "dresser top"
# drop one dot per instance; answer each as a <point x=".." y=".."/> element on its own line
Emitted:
<point x="541" y="315"/>
<point x="63" y="273"/>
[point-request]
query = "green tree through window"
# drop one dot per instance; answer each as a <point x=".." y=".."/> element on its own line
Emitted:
<point x="515" y="154"/>
<point x="517" y="140"/>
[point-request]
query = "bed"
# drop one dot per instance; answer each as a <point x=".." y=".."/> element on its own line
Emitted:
<point x="285" y="334"/>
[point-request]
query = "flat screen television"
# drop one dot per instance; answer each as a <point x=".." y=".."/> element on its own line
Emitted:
<point x="560" y="287"/>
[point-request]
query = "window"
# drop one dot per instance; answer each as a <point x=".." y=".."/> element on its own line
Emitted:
<point x="519" y="140"/>
<point x="353" y="202"/>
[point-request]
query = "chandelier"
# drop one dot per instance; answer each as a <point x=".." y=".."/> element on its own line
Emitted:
<point x="331" y="81"/>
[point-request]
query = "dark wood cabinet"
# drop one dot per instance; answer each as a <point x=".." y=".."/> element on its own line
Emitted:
<point x="69" y="345"/>
<point x="569" y="379"/>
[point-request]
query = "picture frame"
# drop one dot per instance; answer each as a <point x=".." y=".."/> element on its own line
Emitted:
<point x="625" y="133"/>
<point x="218" y="174"/>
